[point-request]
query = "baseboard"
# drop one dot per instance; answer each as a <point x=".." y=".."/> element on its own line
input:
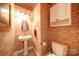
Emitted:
<point x="20" y="51"/>
<point x="16" y="53"/>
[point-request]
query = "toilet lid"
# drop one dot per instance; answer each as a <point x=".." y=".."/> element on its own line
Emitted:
<point x="59" y="49"/>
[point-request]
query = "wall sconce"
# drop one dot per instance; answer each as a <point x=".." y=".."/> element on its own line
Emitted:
<point x="3" y="10"/>
<point x="21" y="16"/>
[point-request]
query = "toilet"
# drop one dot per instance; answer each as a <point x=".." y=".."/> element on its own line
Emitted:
<point x="58" y="49"/>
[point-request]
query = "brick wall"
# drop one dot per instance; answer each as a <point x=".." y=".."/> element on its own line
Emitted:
<point x="45" y="28"/>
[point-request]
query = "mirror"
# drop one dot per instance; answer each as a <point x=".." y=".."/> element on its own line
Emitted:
<point x="24" y="26"/>
<point x="5" y="15"/>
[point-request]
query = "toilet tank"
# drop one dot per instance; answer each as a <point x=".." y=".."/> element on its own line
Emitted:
<point x="59" y="49"/>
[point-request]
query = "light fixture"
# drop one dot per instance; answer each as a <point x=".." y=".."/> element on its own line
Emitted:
<point x="21" y="16"/>
<point x="3" y="10"/>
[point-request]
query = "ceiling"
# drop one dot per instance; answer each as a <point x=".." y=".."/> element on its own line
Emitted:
<point x="29" y="6"/>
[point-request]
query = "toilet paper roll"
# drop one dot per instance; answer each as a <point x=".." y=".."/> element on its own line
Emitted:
<point x="43" y="43"/>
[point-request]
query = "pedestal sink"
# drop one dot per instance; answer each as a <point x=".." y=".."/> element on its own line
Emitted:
<point x="25" y="38"/>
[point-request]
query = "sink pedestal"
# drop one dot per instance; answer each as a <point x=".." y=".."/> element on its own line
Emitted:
<point x="25" y="48"/>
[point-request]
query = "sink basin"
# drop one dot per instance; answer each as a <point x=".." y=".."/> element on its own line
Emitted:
<point x="23" y="38"/>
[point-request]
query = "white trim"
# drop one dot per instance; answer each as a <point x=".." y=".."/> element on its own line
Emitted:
<point x="19" y="51"/>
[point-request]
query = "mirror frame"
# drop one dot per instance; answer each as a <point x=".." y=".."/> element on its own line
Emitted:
<point x="6" y="26"/>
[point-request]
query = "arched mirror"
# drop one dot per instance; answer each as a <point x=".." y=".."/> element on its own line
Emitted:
<point x="5" y="16"/>
<point x="24" y="26"/>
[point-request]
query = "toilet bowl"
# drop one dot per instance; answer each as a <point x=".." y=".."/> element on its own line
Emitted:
<point x="58" y="49"/>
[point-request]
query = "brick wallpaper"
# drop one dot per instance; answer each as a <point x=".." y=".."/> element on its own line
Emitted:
<point x="45" y="28"/>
